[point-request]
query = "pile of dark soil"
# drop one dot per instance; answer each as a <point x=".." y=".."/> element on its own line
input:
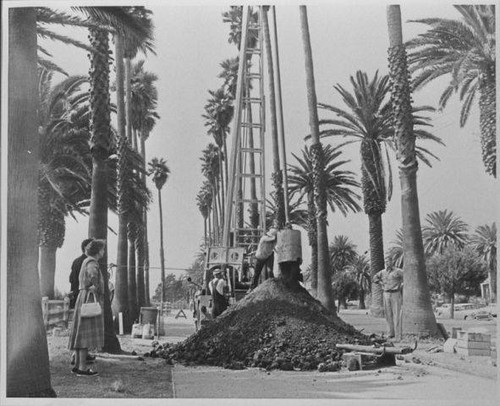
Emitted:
<point x="273" y="327"/>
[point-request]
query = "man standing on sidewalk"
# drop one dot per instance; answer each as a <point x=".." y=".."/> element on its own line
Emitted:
<point x="391" y="280"/>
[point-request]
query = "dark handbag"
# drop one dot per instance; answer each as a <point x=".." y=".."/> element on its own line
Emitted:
<point x="91" y="309"/>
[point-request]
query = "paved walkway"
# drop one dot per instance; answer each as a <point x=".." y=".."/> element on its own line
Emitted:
<point x="408" y="380"/>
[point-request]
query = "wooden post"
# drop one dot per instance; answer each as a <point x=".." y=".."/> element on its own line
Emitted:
<point x="66" y="310"/>
<point x="45" y="310"/>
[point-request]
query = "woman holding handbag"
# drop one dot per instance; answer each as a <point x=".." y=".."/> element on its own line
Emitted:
<point x="87" y="330"/>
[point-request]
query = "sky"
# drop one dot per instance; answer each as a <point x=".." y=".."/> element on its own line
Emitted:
<point x="346" y="36"/>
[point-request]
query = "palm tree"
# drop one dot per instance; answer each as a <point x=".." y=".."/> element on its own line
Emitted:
<point x="64" y="183"/>
<point x="417" y="306"/>
<point x="324" y="280"/>
<point x="340" y="195"/>
<point x="204" y="202"/>
<point x="210" y="168"/>
<point x="120" y="21"/>
<point x="144" y="102"/>
<point x="368" y="121"/>
<point x="443" y="229"/>
<point x="159" y="171"/>
<point x="218" y="114"/>
<point x="484" y="241"/>
<point x="342" y="253"/>
<point x="360" y="268"/>
<point x="464" y="50"/>
<point x="27" y="358"/>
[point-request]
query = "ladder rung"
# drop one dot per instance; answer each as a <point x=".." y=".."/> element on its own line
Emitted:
<point x="254" y="51"/>
<point x="251" y="125"/>
<point x="252" y="99"/>
<point x="251" y="175"/>
<point x="249" y="201"/>
<point x="254" y="76"/>
<point x="259" y="150"/>
<point x="248" y="229"/>
<point x="254" y="26"/>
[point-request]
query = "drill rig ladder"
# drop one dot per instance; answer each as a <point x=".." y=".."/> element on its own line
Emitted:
<point x="240" y="234"/>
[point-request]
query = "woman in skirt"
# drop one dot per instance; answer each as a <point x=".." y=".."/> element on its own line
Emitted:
<point x="88" y="332"/>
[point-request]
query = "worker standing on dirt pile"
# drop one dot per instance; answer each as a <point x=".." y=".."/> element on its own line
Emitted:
<point x="391" y="280"/>
<point x="218" y="287"/>
<point x="265" y="255"/>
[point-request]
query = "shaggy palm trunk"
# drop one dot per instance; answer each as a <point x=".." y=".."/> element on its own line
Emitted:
<point x="120" y="300"/>
<point x="362" y="304"/>
<point x="325" y="294"/>
<point x="418" y="317"/>
<point x="26" y="356"/>
<point x="487" y="120"/>
<point x="374" y="202"/>
<point x="100" y="143"/>
<point x="139" y="248"/>
<point x="376" y="262"/>
<point x="51" y="231"/>
<point x="143" y="138"/>
<point x="313" y="242"/>
<point x="277" y="175"/>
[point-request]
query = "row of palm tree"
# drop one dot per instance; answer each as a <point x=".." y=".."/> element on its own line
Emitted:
<point x="24" y="24"/>
<point x="444" y="230"/>
<point x="368" y="120"/>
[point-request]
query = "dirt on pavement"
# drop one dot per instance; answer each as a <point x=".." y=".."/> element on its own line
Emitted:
<point x="126" y="376"/>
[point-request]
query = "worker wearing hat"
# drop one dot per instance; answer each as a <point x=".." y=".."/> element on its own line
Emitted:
<point x="265" y="254"/>
<point x="218" y="287"/>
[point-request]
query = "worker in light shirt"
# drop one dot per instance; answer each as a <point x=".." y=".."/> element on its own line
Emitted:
<point x="391" y="280"/>
<point x="218" y="288"/>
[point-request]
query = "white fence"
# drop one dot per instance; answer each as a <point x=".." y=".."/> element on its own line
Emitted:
<point x="55" y="311"/>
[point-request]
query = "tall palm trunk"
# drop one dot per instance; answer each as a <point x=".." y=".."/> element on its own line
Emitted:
<point x="377" y="262"/>
<point x="487" y="120"/>
<point x="143" y="138"/>
<point x="313" y="242"/>
<point x="374" y="202"/>
<point x="48" y="263"/>
<point x="131" y="275"/>
<point x="120" y="300"/>
<point x="493" y="275"/>
<point x="417" y="309"/>
<point x="325" y="294"/>
<point x="100" y="124"/>
<point x="277" y="175"/>
<point x="27" y="356"/>
<point x="162" y="252"/>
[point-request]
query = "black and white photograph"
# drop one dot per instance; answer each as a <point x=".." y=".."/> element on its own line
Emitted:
<point x="224" y="203"/>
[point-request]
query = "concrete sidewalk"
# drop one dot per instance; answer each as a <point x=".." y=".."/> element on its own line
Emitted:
<point x="420" y="376"/>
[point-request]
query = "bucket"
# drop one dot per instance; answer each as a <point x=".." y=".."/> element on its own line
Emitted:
<point x="288" y="247"/>
<point x="148" y="315"/>
<point x="148" y="331"/>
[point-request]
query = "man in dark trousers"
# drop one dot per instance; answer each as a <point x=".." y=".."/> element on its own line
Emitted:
<point x="75" y="273"/>
<point x="218" y="289"/>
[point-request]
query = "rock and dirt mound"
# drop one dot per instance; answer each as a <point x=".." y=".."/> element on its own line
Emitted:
<point x="273" y="327"/>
